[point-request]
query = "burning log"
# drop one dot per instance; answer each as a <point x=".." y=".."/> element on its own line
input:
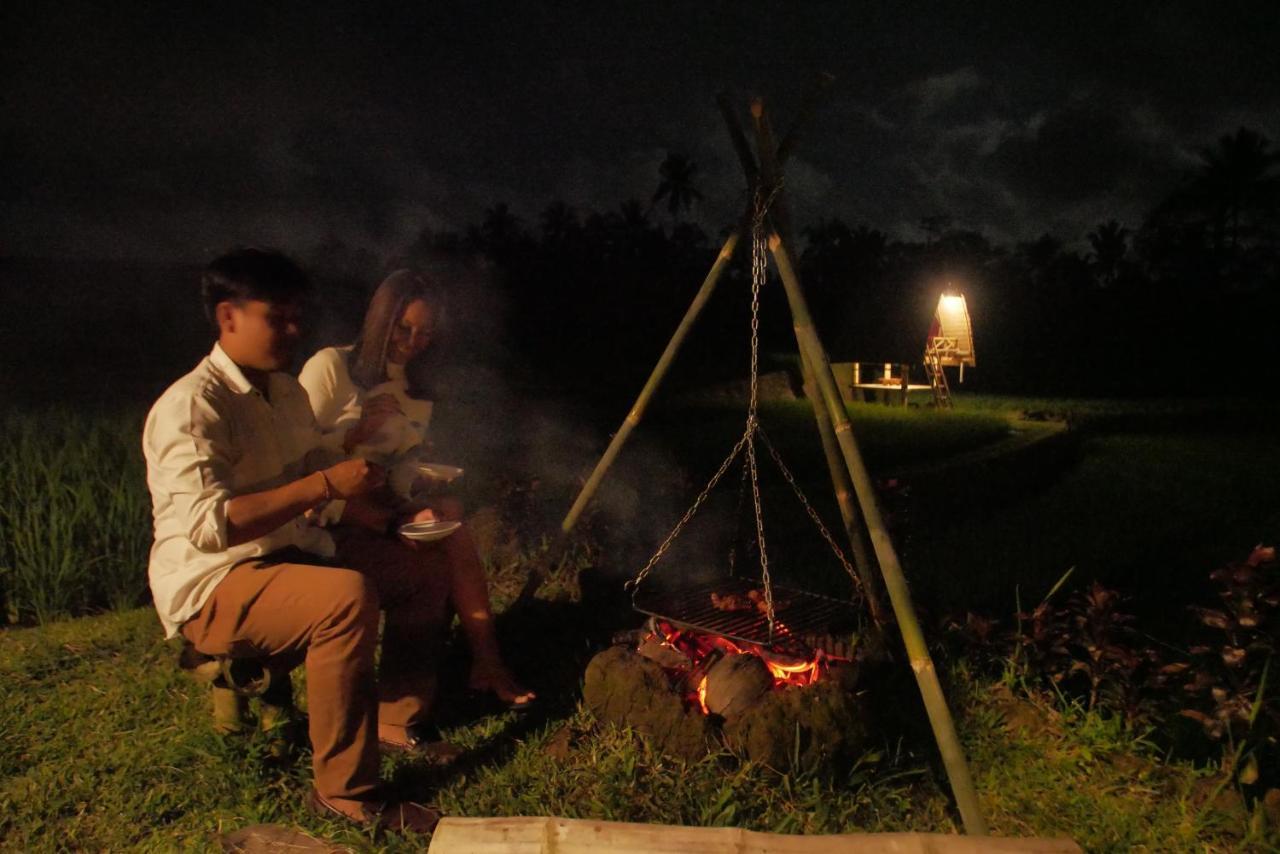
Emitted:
<point x="664" y="654"/>
<point x="687" y="690"/>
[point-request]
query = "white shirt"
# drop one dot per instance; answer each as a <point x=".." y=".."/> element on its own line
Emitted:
<point x="338" y="403"/>
<point x="336" y="400"/>
<point x="209" y="437"/>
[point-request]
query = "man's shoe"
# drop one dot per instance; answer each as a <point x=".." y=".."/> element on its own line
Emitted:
<point x="426" y="742"/>
<point x="393" y="817"/>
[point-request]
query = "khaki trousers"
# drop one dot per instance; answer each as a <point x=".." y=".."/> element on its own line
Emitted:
<point x="325" y="616"/>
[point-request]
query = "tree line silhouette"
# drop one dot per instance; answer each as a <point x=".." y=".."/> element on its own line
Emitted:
<point x="1184" y="302"/>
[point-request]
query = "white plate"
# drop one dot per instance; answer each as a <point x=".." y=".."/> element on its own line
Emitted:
<point x="439" y="471"/>
<point x="428" y="532"/>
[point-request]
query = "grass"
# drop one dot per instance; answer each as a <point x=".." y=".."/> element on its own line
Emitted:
<point x="75" y="516"/>
<point x="889" y="437"/>
<point x="1148" y="513"/>
<point x="106" y="746"/>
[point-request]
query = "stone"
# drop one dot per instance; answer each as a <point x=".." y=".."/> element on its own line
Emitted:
<point x="624" y="688"/>
<point x="809" y="729"/>
<point x="736" y="683"/>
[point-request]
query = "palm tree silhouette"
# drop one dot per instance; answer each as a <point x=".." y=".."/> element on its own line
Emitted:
<point x="676" y="185"/>
<point x="1110" y="242"/>
<point x="559" y="221"/>
<point x="1236" y="185"/>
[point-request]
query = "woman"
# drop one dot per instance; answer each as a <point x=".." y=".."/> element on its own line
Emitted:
<point x="369" y="399"/>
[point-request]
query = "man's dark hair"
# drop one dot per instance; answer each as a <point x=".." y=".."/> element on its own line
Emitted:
<point x="252" y="274"/>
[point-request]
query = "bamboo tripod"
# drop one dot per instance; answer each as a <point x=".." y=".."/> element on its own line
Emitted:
<point x="850" y="480"/>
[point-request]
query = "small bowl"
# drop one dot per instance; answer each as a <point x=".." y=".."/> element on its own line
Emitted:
<point x="428" y="532"/>
<point x="439" y="471"/>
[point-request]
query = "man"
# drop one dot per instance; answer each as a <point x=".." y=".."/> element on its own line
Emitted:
<point x="238" y="568"/>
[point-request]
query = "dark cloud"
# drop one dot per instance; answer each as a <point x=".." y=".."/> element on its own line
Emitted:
<point x="161" y="131"/>
<point x="1077" y="152"/>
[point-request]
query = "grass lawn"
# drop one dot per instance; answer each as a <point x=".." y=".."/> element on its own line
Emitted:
<point x="1148" y="497"/>
<point x="105" y="745"/>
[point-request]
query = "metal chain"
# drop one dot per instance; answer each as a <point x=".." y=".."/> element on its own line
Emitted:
<point x="737" y="521"/>
<point x="758" y="273"/>
<point x="764" y="554"/>
<point x="813" y="514"/>
<point x="684" y="520"/>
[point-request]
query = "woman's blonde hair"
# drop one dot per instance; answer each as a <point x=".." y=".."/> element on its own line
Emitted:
<point x="368" y="363"/>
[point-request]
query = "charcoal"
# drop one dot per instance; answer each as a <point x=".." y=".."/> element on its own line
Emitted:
<point x="664" y="654"/>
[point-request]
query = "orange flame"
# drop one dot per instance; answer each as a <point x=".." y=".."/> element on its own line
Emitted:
<point x="697" y="647"/>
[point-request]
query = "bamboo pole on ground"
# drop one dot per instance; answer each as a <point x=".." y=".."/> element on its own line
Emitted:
<point x="935" y="703"/>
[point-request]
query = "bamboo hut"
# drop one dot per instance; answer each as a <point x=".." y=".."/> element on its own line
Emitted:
<point x="949" y="344"/>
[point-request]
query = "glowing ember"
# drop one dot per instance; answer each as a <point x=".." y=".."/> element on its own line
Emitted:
<point x="703" y="650"/>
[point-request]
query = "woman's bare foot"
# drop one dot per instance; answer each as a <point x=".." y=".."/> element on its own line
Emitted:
<point x="495" y="679"/>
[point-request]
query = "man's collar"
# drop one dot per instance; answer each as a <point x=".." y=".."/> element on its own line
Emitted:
<point x="230" y="370"/>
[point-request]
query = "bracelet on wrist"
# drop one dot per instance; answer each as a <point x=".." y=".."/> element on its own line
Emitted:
<point x="328" y="487"/>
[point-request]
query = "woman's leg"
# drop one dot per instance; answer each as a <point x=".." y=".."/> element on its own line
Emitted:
<point x="413" y="587"/>
<point x="469" y="589"/>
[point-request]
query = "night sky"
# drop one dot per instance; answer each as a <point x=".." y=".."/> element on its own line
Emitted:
<point x="165" y="131"/>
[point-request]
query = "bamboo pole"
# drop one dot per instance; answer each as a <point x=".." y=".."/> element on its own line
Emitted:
<point x="655" y="378"/>
<point x="769" y="158"/>
<point x="935" y="703"/>
<point x="843" y="488"/>
<point x="816" y="94"/>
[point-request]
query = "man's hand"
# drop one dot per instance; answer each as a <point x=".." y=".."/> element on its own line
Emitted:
<point x="355" y="477"/>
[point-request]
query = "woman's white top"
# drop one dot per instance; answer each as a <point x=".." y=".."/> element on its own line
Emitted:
<point x="338" y="403"/>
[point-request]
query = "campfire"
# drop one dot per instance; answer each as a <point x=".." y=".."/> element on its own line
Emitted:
<point x="710" y="670"/>
<point x="700" y="664"/>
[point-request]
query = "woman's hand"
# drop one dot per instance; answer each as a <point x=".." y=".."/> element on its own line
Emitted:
<point x="353" y="477"/>
<point x="363" y="430"/>
<point x="373" y="415"/>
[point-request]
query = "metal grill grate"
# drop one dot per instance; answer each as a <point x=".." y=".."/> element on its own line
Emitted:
<point x="804" y="622"/>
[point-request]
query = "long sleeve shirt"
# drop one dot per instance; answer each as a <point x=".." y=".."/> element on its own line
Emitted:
<point x="209" y="437"/>
<point x="338" y="403"/>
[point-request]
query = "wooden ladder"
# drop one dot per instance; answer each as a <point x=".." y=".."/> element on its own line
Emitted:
<point x="937" y="378"/>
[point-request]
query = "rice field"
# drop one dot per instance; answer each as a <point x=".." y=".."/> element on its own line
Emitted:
<point x="1165" y="488"/>
<point x="75" y="516"/>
